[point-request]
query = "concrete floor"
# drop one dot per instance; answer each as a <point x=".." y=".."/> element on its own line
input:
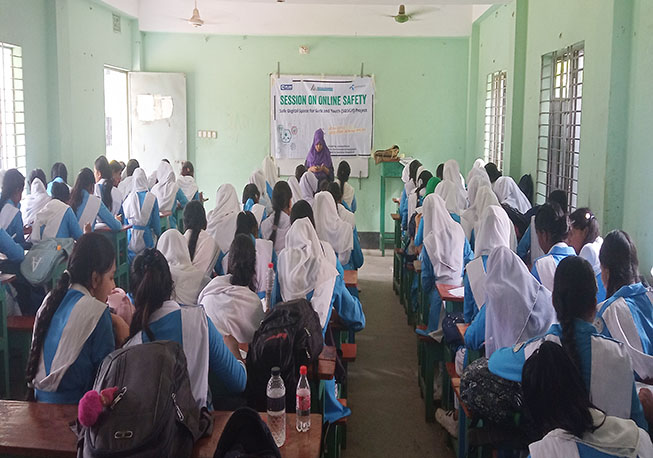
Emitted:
<point x="387" y="410"/>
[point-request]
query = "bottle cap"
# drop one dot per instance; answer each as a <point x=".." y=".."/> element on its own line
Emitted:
<point x="270" y="266"/>
<point x="302" y="370"/>
<point x="276" y="371"/>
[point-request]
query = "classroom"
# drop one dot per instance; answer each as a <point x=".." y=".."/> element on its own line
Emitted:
<point x="332" y="228"/>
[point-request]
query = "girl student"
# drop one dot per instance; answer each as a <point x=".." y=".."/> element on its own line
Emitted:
<point x="529" y="247"/>
<point x="258" y="178"/>
<point x="251" y="196"/>
<point x="478" y="169"/>
<point x="472" y="214"/>
<point x="56" y="219"/>
<point x="221" y="221"/>
<point x="11" y="220"/>
<point x="584" y="237"/>
<point x="309" y="186"/>
<point x="167" y="192"/>
<point x="293" y="182"/>
<point x="330" y="228"/>
<point x="552" y="228"/>
<point x="271" y="174"/>
<point x="202" y="248"/>
<point x="409" y="178"/>
<point x="125" y="185"/>
<point x="58" y="173"/>
<point x="346" y="190"/>
<point x="158" y="317"/>
<point x="452" y="189"/>
<point x="104" y="188"/>
<point x="603" y="363"/>
<point x="567" y="425"/>
<point x="275" y="226"/>
<point x="142" y="212"/>
<point x="230" y="300"/>
<point x="417" y="195"/>
<point x="87" y="207"/>
<point x="36" y="199"/>
<point x="356" y="259"/>
<point x="74" y="330"/>
<point x="188" y="279"/>
<point x="627" y="314"/>
<point x="186" y="182"/>
<point x="509" y="193"/>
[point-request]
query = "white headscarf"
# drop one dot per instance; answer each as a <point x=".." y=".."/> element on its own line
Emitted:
<point x="306" y="265"/>
<point x="494" y="230"/>
<point x="188" y="279"/>
<point x="454" y="200"/>
<point x="206" y="251"/>
<point x="509" y="193"/>
<point x="258" y="178"/>
<point x="451" y="173"/>
<point x="188" y="186"/>
<point x="308" y="185"/>
<point x="413" y="197"/>
<point x="49" y="216"/>
<point x="296" y="190"/>
<point x="165" y="190"/>
<point x="474" y="184"/>
<point x="331" y="228"/>
<point x="270" y="171"/>
<point x="484" y="197"/>
<point x="590" y="252"/>
<point x="409" y="186"/>
<point x="443" y="240"/>
<point x="34" y="201"/>
<point x="136" y="214"/>
<point x="222" y="219"/>
<point x="477" y="168"/>
<point x="518" y="307"/>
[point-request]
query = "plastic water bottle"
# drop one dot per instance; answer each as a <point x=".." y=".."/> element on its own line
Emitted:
<point x="277" y="407"/>
<point x="303" y="406"/>
<point x="269" y="286"/>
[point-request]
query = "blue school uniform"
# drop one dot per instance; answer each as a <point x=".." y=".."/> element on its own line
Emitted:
<point x="180" y="200"/>
<point x="403" y="209"/>
<point x="15" y="227"/>
<point x="56" y="180"/>
<point x="357" y="259"/>
<point x="8" y="247"/>
<point x="508" y="362"/>
<point x="419" y="234"/>
<point x="153" y="224"/>
<point x="557" y="253"/>
<point x="69" y="227"/>
<point x="524" y="245"/>
<point x="103" y="214"/>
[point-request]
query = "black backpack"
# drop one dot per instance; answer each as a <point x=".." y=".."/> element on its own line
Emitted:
<point x="290" y="336"/>
<point x="246" y="435"/>
<point x="153" y="413"/>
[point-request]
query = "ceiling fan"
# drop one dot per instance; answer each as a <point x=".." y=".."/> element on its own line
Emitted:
<point x="402" y="17"/>
<point x="195" y="20"/>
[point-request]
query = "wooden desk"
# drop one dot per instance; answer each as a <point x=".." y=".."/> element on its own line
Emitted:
<point x="351" y="278"/>
<point x="446" y="295"/>
<point x="395" y="216"/>
<point x="38" y="429"/>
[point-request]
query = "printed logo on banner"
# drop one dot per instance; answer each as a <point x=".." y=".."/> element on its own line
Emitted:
<point x="315" y="88"/>
<point x="286" y="87"/>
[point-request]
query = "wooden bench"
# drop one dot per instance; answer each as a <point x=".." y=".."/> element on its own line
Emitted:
<point x="5" y="279"/>
<point x="351" y="278"/>
<point x="348" y="352"/>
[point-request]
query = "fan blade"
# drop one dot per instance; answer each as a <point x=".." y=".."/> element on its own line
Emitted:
<point x="423" y="11"/>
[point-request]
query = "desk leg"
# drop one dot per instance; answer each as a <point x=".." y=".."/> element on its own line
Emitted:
<point x="382" y="218"/>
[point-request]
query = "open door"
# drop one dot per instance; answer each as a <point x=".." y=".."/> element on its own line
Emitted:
<point x="157" y="110"/>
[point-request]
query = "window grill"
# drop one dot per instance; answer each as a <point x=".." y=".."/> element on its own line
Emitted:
<point x="560" y="123"/>
<point x="12" y="109"/>
<point x="495" y="117"/>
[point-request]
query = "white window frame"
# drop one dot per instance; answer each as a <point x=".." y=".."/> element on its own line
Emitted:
<point x="495" y="118"/>
<point x="107" y="134"/>
<point x="13" y="150"/>
<point x="559" y="132"/>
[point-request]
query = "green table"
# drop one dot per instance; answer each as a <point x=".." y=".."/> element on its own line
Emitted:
<point x="388" y="170"/>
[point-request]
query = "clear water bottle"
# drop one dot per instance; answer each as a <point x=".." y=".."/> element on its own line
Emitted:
<point x="269" y="286"/>
<point x="277" y="407"/>
<point x="303" y="406"/>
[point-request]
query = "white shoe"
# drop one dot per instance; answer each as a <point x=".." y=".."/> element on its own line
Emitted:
<point x="447" y="421"/>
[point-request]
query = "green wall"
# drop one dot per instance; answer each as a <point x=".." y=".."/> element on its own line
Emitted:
<point x="420" y="101"/>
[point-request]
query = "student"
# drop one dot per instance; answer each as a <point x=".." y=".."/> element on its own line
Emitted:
<point x="167" y="192"/>
<point x="275" y="226"/>
<point x="28" y="297"/>
<point x="221" y="221"/>
<point x="492" y="171"/>
<point x="188" y="279"/>
<point x="271" y="174"/>
<point x="330" y="228"/>
<point x="356" y="259"/>
<point x="36" y="199"/>
<point x="116" y="172"/>
<point x="58" y="173"/>
<point x="251" y="196"/>
<point x="104" y="187"/>
<point x="471" y="218"/>
<point x="417" y="195"/>
<point x="627" y="315"/>
<point x="565" y="419"/>
<point x="529" y="248"/>
<point x="74" y="330"/>
<point x="230" y="300"/>
<point x="452" y="189"/>
<point x="509" y="194"/>
<point x="202" y="248"/>
<point x="56" y="219"/>
<point x="142" y="212"/>
<point x="258" y="178"/>
<point x="157" y="317"/>
<point x="309" y="186"/>
<point x="585" y="239"/>
<point x="603" y="363"/>
<point x="552" y="227"/>
<point x="293" y="182"/>
<point x="407" y="176"/>
<point x="347" y="190"/>
<point x="125" y="185"/>
<point x="346" y="215"/>
<point x="186" y="182"/>
<point x="11" y="220"/>
<point x="87" y="207"/>
<point x="478" y="169"/>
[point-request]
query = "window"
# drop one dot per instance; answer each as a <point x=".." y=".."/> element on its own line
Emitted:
<point x="116" y="114"/>
<point x="495" y="117"/>
<point x="12" y="109"/>
<point x="559" y="124"/>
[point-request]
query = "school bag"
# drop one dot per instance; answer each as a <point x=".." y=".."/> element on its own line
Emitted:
<point x="153" y="413"/>
<point x="290" y="336"/>
<point x="246" y="435"/>
<point x="44" y="259"/>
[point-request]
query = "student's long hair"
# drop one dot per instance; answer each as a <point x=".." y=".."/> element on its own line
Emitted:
<point x="84" y="182"/>
<point x="302" y="209"/>
<point x="37" y="173"/>
<point x="242" y="262"/>
<point x="412" y="171"/>
<point x="555" y="395"/>
<point x="151" y="285"/>
<point x="439" y="172"/>
<point x="344" y="170"/>
<point x="102" y="166"/>
<point x="251" y="192"/>
<point x="60" y="192"/>
<point x="336" y="191"/>
<point x="132" y="165"/>
<point x="59" y="170"/>
<point x="550" y="218"/>
<point x="582" y="219"/>
<point x="281" y="198"/>
<point x="92" y="253"/>
<point x="559" y="196"/>
<point x="246" y="224"/>
<point x="423" y="180"/>
<point x="573" y="297"/>
<point x="300" y="170"/>
<point x="12" y="182"/>
<point x="195" y="222"/>
<point x="619" y="256"/>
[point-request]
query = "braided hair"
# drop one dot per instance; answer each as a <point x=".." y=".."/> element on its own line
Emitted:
<point x="242" y="262"/>
<point x="281" y="198"/>
<point x="618" y="256"/>
<point x="93" y="253"/>
<point x="195" y="221"/>
<point x="102" y="166"/>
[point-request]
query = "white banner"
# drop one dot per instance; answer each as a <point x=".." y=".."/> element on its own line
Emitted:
<point x="341" y="106"/>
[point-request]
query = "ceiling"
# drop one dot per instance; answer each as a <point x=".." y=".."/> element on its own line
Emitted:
<point x="435" y="18"/>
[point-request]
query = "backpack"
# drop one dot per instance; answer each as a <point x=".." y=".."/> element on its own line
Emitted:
<point x="246" y="435"/>
<point x="153" y="414"/>
<point x="44" y="258"/>
<point x="290" y="336"/>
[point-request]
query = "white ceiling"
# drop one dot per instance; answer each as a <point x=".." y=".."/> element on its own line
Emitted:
<point x="436" y="18"/>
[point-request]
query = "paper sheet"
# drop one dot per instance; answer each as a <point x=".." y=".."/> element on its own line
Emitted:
<point x="458" y="292"/>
